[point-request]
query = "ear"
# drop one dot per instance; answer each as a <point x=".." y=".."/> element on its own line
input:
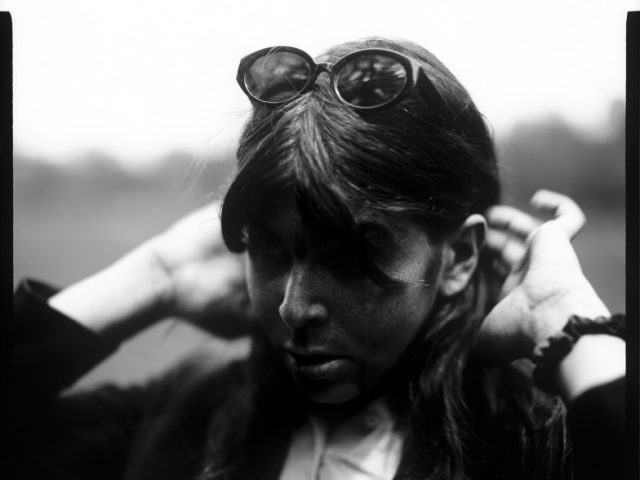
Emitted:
<point x="461" y="253"/>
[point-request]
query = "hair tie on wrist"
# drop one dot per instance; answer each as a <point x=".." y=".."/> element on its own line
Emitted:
<point x="549" y="353"/>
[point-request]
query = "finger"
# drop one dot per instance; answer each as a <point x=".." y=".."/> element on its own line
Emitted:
<point x="511" y="219"/>
<point x="509" y="249"/>
<point x="565" y="213"/>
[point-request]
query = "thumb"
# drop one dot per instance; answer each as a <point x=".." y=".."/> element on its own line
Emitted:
<point x="564" y="212"/>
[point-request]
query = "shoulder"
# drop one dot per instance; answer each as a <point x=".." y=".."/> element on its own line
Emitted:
<point x="186" y="399"/>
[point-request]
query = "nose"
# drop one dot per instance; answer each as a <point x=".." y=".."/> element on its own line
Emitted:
<point x="303" y="301"/>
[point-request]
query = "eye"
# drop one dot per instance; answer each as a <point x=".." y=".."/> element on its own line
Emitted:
<point x="366" y="259"/>
<point x="266" y="246"/>
<point x="344" y="259"/>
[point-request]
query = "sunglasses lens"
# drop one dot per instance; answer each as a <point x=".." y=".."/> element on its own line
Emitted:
<point x="277" y="76"/>
<point x="370" y="80"/>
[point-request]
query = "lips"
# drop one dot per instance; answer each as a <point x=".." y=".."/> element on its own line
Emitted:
<point x="316" y="366"/>
<point x="310" y="360"/>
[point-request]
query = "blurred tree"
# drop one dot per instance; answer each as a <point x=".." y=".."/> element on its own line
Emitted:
<point x="553" y="154"/>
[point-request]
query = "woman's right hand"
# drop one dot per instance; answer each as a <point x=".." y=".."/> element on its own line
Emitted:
<point x="202" y="281"/>
<point x="184" y="272"/>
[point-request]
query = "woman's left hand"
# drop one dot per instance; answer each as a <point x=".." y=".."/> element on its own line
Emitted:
<point x="544" y="284"/>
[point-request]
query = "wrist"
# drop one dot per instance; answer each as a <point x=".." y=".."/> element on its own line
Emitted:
<point x="159" y="297"/>
<point x="587" y="352"/>
<point x="119" y="301"/>
<point x="553" y="317"/>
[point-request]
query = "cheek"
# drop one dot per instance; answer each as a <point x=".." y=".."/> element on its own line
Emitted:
<point x="383" y="328"/>
<point x="407" y="311"/>
<point x="390" y="318"/>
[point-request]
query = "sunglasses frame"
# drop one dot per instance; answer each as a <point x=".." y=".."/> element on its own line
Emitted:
<point x="416" y="77"/>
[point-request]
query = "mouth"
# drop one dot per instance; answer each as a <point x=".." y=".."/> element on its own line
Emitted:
<point x="316" y="366"/>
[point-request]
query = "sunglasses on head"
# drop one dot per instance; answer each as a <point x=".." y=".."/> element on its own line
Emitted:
<point x="365" y="80"/>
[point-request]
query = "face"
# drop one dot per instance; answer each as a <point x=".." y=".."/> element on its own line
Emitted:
<point x="339" y="333"/>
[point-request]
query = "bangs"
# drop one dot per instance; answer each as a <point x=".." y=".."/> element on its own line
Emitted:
<point x="292" y="157"/>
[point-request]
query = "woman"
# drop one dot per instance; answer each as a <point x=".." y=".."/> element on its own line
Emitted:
<point x="379" y="300"/>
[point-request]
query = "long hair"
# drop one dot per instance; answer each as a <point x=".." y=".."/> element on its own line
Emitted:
<point x="435" y="165"/>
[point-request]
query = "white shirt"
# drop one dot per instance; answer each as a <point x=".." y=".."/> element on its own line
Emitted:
<point x="367" y="446"/>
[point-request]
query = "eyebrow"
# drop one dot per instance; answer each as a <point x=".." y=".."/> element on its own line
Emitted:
<point x="368" y="229"/>
<point x="263" y="227"/>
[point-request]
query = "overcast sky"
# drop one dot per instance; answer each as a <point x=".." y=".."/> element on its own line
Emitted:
<point x="137" y="79"/>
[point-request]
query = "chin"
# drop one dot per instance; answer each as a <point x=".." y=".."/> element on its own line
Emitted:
<point x="329" y="393"/>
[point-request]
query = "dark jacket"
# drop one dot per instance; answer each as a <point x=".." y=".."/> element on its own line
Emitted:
<point x="165" y="429"/>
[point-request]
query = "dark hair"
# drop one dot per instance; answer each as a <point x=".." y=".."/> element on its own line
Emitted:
<point x="399" y="160"/>
<point x="435" y="166"/>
